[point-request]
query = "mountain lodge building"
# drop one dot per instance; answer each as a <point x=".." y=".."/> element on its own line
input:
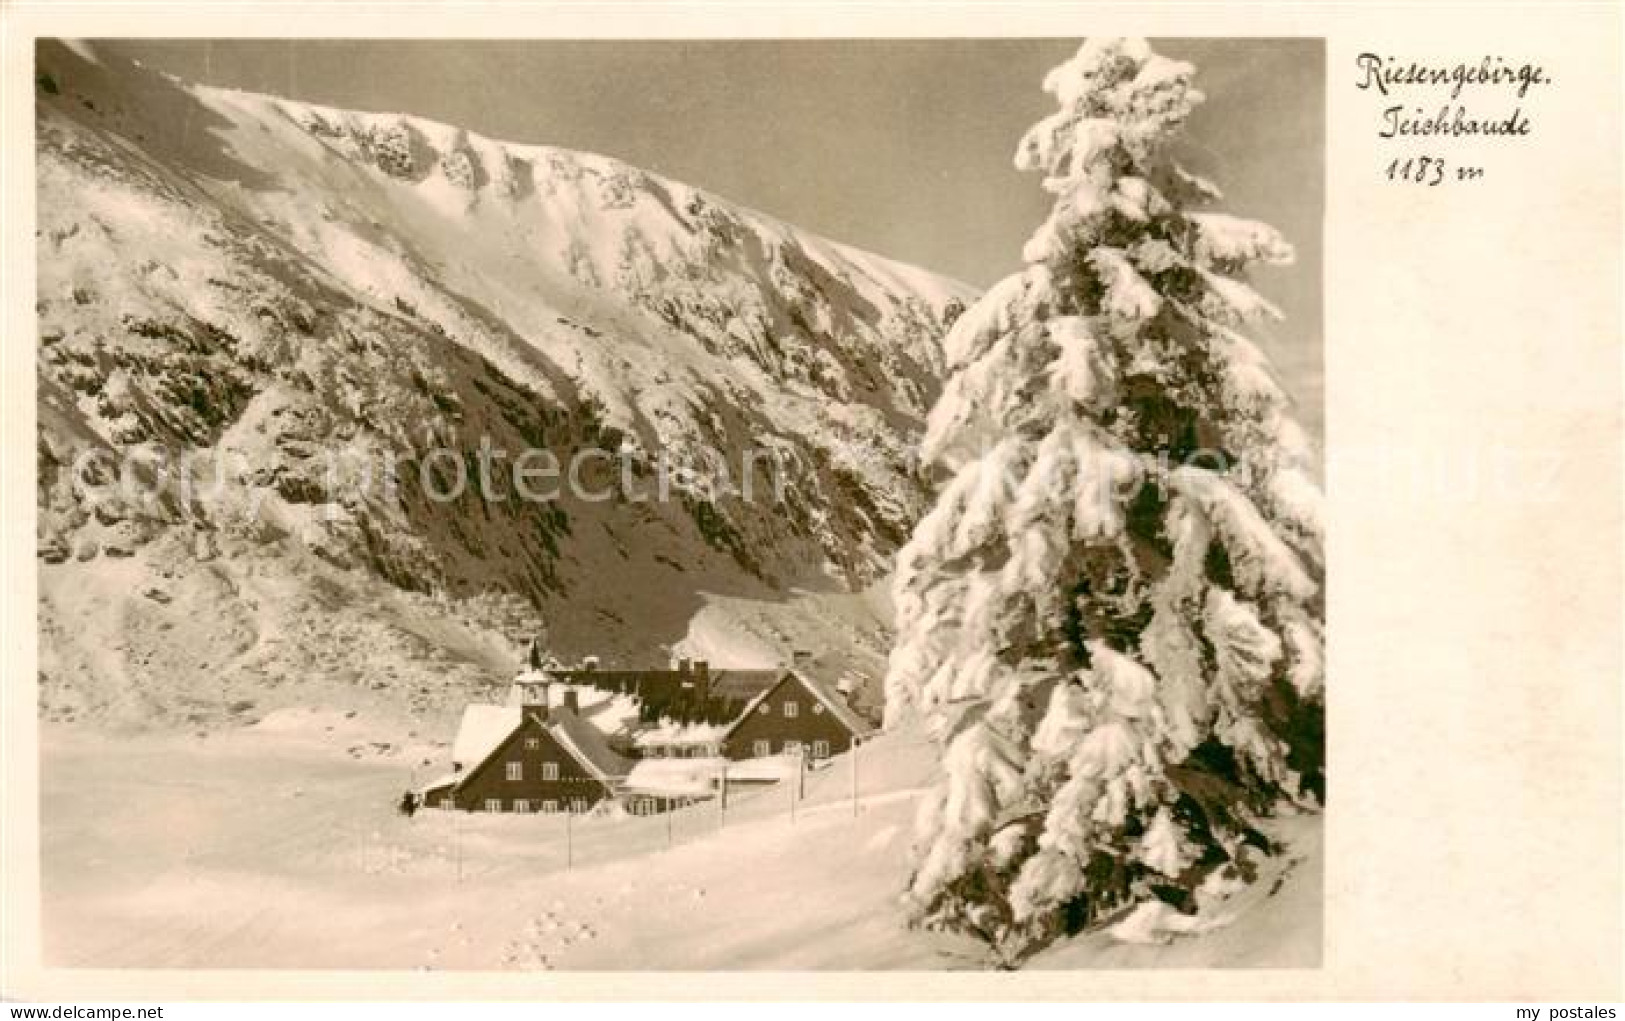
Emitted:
<point x="795" y="715"/>
<point x="548" y="750"/>
<point x="527" y="758"/>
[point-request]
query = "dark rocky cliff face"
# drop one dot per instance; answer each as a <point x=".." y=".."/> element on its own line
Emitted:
<point x="289" y="301"/>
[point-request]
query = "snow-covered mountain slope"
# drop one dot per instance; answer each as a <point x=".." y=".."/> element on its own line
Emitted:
<point x="297" y="298"/>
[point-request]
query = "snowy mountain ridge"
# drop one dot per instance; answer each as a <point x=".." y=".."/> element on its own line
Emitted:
<point x="272" y="286"/>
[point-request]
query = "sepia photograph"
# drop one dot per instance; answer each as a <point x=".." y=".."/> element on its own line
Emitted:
<point x="680" y="506"/>
<point x="737" y="507"/>
<point x="700" y="505"/>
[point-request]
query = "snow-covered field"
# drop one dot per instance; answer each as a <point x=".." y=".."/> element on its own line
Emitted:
<point x="276" y="846"/>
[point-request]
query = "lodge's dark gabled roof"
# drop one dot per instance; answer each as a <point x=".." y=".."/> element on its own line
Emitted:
<point x="832" y="701"/>
<point x="836" y="703"/>
<point x="677" y="696"/>
<point x="487" y="729"/>
<point x="744" y="685"/>
<point x="719" y="697"/>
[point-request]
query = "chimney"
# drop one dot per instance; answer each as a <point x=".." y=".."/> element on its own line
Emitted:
<point x="571" y="703"/>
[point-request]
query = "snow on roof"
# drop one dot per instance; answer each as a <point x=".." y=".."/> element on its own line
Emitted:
<point x="613" y="715"/>
<point x="837" y="706"/>
<point x="669" y="733"/>
<point x="438" y="783"/>
<point x="485" y="728"/>
<point x="610" y="711"/>
<point x="674" y="777"/>
<point x="482" y="731"/>
<point x="586" y="743"/>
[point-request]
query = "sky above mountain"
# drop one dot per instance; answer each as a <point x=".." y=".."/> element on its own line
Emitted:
<point x="902" y="147"/>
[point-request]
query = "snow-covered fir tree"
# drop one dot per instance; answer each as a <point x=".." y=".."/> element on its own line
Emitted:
<point x="1112" y="617"/>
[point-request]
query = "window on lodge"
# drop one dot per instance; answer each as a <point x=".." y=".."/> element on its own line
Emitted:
<point x="761" y="749"/>
<point x="550" y="771"/>
<point x="493" y="804"/>
<point x="791" y="709"/>
<point x="521" y="805"/>
<point x="532" y="743"/>
<point x="550" y="806"/>
<point x="820" y="749"/>
<point x="516" y="770"/>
